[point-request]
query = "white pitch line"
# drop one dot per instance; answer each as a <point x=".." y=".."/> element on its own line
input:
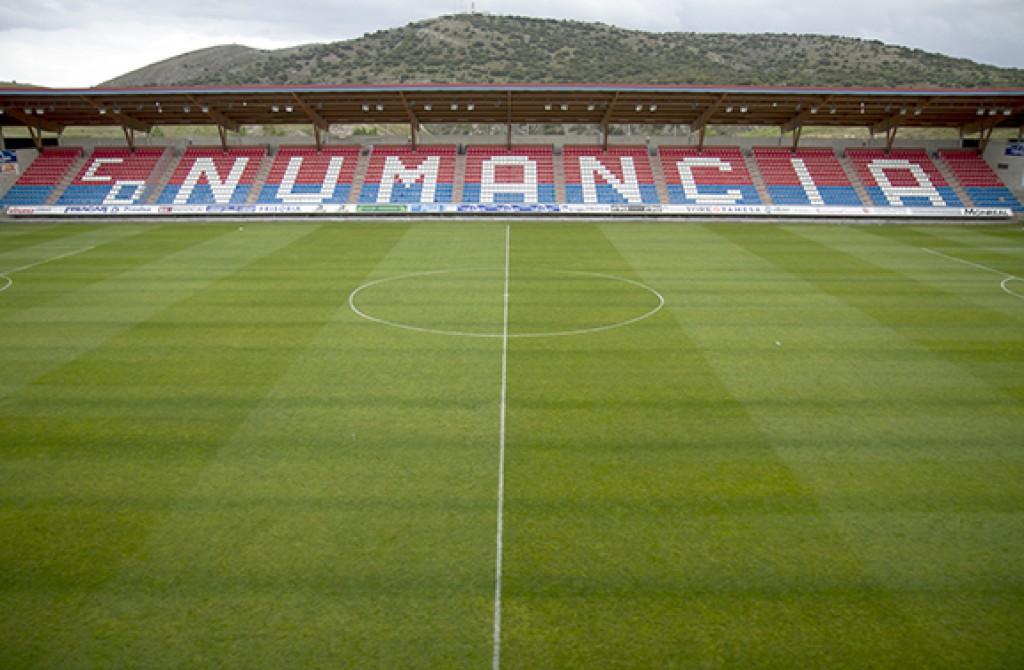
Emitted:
<point x="22" y="268"/>
<point x="1007" y="277"/>
<point x="496" y="658"/>
<point x="461" y="333"/>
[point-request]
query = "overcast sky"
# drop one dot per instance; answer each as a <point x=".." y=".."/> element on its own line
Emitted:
<point x="84" y="42"/>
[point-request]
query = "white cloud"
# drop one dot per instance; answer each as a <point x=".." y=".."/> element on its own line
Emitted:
<point x="79" y="43"/>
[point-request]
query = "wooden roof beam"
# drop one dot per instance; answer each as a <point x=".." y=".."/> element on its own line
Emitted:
<point x="124" y="120"/>
<point x="990" y="121"/>
<point x="804" y="114"/>
<point x="318" y="121"/>
<point x="705" y="116"/>
<point x="906" y="109"/>
<point x="217" y="117"/>
<point x="33" y="120"/>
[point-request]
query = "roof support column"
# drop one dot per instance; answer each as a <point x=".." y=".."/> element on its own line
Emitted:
<point x="508" y="121"/>
<point x="37" y="137"/>
<point x="317" y="138"/>
<point x="796" y="138"/>
<point x="607" y="118"/>
<point x="890" y="137"/>
<point x="223" y="132"/>
<point x="986" y="135"/>
<point x="700" y="138"/>
<point x="129" y="137"/>
<point x="413" y="121"/>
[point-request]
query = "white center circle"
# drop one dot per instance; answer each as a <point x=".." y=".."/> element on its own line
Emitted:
<point x="1005" y="285"/>
<point x="353" y="302"/>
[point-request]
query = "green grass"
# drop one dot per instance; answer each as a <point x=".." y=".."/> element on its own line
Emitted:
<point x="811" y="457"/>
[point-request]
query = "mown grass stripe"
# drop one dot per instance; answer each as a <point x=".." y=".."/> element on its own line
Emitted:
<point x="103" y="309"/>
<point x="859" y="430"/>
<point x="146" y="451"/>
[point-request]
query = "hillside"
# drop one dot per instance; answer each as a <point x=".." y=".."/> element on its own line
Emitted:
<point x="483" y="48"/>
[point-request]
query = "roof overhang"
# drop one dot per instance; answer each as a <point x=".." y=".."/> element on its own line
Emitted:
<point x="788" y="108"/>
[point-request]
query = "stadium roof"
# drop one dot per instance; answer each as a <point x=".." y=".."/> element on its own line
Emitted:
<point x="881" y="109"/>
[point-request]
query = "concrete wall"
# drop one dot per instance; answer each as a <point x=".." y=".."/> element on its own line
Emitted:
<point x="1013" y="172"/>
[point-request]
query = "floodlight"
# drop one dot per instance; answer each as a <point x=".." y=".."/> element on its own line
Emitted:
<point x="639" y="108"/>
<point x="380" y="108"/>
<point x="743" y="109"/>
<point x="427" y="108"/>
<point x="653" y="108"/>
<point x="454" y="107"/>
<point x="366" y="107"/>
<point x="205" y="108"/>
<point x="547" y="107"/>
<point x="275" y="109"/>
<point x="565" y="108"/>
<point x="289" y="109"/>
<point x="470" y="107"/>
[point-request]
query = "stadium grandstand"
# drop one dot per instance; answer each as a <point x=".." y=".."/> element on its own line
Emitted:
<point x="600" y="398"/>
<point x="672" y="176"/>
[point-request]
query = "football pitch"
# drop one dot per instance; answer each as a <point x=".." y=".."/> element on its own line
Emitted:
<point x="526" y="445"/>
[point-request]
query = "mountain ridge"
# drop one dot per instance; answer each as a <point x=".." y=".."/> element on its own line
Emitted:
<point x="480" y="48"/>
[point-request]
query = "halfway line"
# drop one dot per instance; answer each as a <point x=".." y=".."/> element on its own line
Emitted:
<point x="496" y="658"/>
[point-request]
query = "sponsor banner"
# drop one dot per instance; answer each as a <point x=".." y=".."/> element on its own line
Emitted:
<point x="382" y="209"/>
<point x="515" y="208"/>
<point x="507" y="208"/>
<point x="986" y="212"/>
<point x="636" y="209"/>
<point x="8" y="161"/>
<point x="585" y="209"/>
<point x="1015" y="149"/>
<point x="429" y="208"/>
